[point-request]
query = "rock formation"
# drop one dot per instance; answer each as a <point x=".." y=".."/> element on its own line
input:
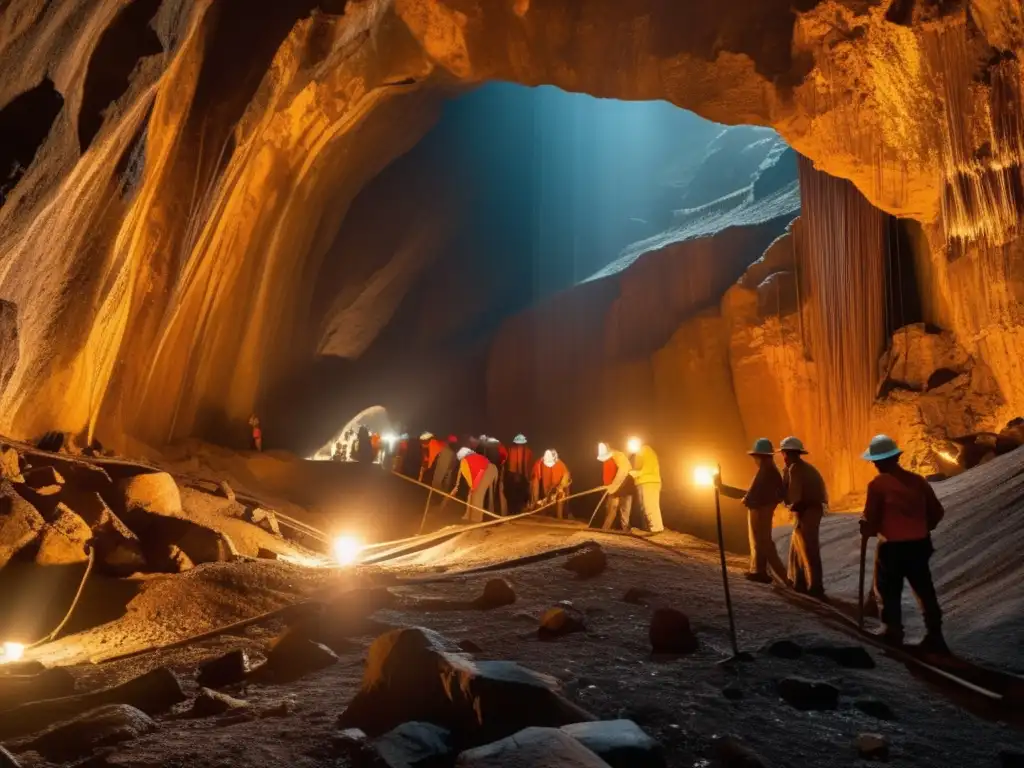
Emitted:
<point x="174" y="173"/>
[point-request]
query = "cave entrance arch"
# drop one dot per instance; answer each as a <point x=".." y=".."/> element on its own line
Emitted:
<point x="375" y="418"/>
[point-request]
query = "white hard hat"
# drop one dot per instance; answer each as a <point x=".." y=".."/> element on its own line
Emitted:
<point x="763" y="447"/>
<point x="519" y="439"/>
<point x="792" y="444"/>
<point x="603" y="453"/>
<point x="463" y="453"/>
<point x="550" y="458"/>
<point x="427" y="436"/>
<point x="882" y="447"/>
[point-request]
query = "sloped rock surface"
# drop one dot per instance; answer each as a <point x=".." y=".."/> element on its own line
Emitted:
<point x="20" y="523"/>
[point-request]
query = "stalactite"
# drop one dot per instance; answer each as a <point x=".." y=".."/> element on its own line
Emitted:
<point x="842" y="250"/>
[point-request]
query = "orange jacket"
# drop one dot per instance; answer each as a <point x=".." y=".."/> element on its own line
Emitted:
<point x="550" y="478"/>
<point x="520" y="457"/>
<point x="430" y="451"/>
<point x="472" y="468"/>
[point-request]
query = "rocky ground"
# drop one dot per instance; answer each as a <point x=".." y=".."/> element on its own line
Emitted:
<point x="588" y="635"/>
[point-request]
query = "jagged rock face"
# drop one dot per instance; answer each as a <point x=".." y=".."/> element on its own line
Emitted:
<point x="175" y="172"/>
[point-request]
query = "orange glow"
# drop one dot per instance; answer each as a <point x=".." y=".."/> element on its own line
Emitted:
<point x="11" y="652"/>
<point x="634" y="444"/>
<point x="346" y="550"/>
<point x="704" y="476"/>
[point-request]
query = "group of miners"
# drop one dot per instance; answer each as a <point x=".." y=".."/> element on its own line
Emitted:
<point x="901" y="511"/>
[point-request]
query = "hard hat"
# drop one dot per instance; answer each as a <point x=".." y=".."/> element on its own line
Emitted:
<point x="427" y="436"/>
<point x="453" y="439"/>
<point x="463" y="453"/>
<point x="763" y="447"/>
<point x="882" y="447"/>
<point x="792" y="444"/>
<point x="519" y="439"/>
<point x="482" y="438"/>
<point x="550" y="458"/>
<point x="603" y="453"/>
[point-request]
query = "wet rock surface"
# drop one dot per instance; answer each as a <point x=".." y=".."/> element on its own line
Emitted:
<point x="105" y="726"/>
<point x="620" y="743"/>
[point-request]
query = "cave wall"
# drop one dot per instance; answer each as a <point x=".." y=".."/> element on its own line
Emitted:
<point x="171" y="299"/>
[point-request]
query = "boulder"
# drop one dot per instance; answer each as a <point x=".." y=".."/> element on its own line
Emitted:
<point x="784" y="649"/>
<point x="670" y="632"/>
<point x="211" y="703"/>
<point x="847" y="656"/>
<point x="587" y="564"/>
<point x="152" y="492"/>
<point x="101" y="727"/>
<point x="533" y="747"/>
<point x="352" y="743"/>
<point x="873" y="746"/>
<point x="1011" y="437"/>
<point x="414" y="745"/>
<point x="875" y="708"/>
<point x="638" y="595"/>
<point x="20" y="523"/>
<point x="65" y="540"/>
<point x="43" y="683"/>
<point x="293" y="656"/>
<point x="43" y="478"/>
<point x="620" y="743"/>
<point x="560" y="621"/>
<point x="497" y="593"/>
<point x="118" y="550"/>
<point x="733" y="753"/>
<point x="225" y="670"/>
<point x="205" y="545"/>
<point x="804" y="694"/>
<point x="226" y="490"/>
<point x="416" y="674"/>
<point x="264" y="518"/>
<point x="10" y="465"/>
<point x="154" y="692"/>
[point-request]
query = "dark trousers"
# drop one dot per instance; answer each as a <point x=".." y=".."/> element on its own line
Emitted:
<point x="899" y="560"/>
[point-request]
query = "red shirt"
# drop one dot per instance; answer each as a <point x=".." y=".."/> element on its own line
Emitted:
<point x="520" y="457"/>
<point x="608" y="471"/>
<point x="902" y="506"/>
<point x="473" y="468"/>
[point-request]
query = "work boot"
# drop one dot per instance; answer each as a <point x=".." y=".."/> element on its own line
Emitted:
<point x="933" y="642"/>
<point x="760" y="578"/>
<point x="818" y="593"/>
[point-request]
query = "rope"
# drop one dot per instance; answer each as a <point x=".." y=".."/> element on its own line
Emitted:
<point x="74" y="603"/>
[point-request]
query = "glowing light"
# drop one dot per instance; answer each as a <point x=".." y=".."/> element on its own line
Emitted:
<point x="390" y="438"/>
<point x="705" y="476"/>
<point x="634" y="444"/>
<point x="346" y="549"/>
<point x="11" y="652"/>
<point x="947" y="456"/>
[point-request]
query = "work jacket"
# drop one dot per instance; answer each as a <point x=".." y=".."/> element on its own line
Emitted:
<point x="615" y="473"/>
<point x="430" y="451"/>
<point x="901" y="506"/>
<point x="472" y="469"/>
<point x="803" y="486"/>
<point x="766" y="489"/>
<point x="647" y="469"/>
<point x="520" y="457"/>
<point x="550" y="478"/>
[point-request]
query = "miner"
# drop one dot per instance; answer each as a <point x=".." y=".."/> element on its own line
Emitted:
<point x="515" y="475"/>
<point x="444" y="467"/>
<point x="761" y="499"/>
<point x="805" y="494"/>
<point x="480" y="476"/>
<point x="646" y="473"/>
<point x="619" y="486"/>
<point x="549" y="482"/>
<point x="902" y="510"/>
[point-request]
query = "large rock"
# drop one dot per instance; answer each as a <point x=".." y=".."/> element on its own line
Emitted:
<point x="17" y="689"/>
<point x="101" y="727"/>
<point x="118" y="549"/>
<point x="497" y="593"/>
<point x="532" y="748"/>
<point x="560" y="621"/>
<point x="872" y="746"/>
<point x="44" y="479"/>
<point x="620" y="743"/>
<point x="153" y="693"/>
<point x="20" y="523"/>
<point x="10" y="465"/>
<point x="670" y="632"/>
<point x="292" y="656"/>
<point x="152" y="492"/>
<point x="587" y="564"/>
<point x="264" y="518"/>
<point x="64" y="540"/>
<point x="414" y="745"/>
<point x="212" y="703"/>
<point x="416" y="674"/>
<point x="805" y="694"/>
<point x="224" y="670"/>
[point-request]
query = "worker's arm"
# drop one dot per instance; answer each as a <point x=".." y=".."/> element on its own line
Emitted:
<point x="566" y="481"/>
<point x="933" y="507"/>
<point x="874" y="510"/>
<point x="621" y="473"/>
<point x="730" y="492"/>
<point x="792" y="488"/>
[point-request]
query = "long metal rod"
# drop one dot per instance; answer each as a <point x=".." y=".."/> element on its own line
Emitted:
<point x="860" y="583"/>
<point x="725" y="571"/>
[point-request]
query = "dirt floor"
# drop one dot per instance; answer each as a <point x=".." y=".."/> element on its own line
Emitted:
<point x="608" y="669"/>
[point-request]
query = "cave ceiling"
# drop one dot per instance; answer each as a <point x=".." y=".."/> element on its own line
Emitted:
<point x="173" y="173"/>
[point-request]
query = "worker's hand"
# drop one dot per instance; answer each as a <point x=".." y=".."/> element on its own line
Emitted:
<point x="718" y="481"/>
<point x="865" y="530"/>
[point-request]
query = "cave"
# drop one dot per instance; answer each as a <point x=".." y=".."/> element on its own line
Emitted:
<point x="699" y="225"/>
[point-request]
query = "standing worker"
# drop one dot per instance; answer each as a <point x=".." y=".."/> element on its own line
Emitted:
<point x="515" y="476"/>
<point x="480" y="476"/>
<point x="257" y="433"/>
<point x="761" y="499"/>
<point x="443" y="471"/>
<point x="549" y="481"/>
<point x="805" y="494"/>
<point x="618" y="484"/>
<point x="902" y="510"/>
<point x="375" y="445"/>
<point x="646" y="473"/>
<point x="428" y="452"/>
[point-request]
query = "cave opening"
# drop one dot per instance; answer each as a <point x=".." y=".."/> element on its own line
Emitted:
<point x="522" y="198"/>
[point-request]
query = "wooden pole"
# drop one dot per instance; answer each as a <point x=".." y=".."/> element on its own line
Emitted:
<point x="426" y="510"/>
<point x="860" y="584"/>
<point x="725" y="571"/>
